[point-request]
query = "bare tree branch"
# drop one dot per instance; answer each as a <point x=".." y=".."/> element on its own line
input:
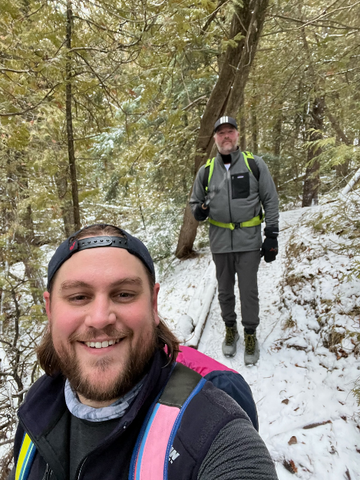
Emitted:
<point x="13" y="114"/>
<point x="2" y="69"/>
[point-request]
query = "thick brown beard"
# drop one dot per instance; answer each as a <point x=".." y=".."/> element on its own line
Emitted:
<point x="129" y="375"/>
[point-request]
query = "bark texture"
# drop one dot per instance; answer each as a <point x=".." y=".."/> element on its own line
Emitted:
<point x="69" y="123"/>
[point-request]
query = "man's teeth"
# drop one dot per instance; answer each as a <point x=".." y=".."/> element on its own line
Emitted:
<point x="106" y="343"/>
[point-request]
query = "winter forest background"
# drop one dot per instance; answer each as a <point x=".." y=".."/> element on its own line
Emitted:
<point x="107" y="112"/>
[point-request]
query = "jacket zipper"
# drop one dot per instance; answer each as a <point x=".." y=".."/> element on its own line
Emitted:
<point x="83" y="462"/>
<point x="47" y="473"/>
<point x="228" y="178"/>
<point x="81" y="467"/>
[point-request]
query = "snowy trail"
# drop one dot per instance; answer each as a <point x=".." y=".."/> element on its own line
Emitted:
<point x="306" y="411"/>
<point x="290" y="387"/>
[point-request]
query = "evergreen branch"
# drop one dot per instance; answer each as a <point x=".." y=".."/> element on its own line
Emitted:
<point x="103" y="4"/>
<point x="92" y="116"/>
<point x="101" y="82"/>
<point x="13" y="114"/>
<point x="325" y="14"/>
<point x="100" y="27"/>
<point x="76" y="49"/>
<point x="329" y="24"/>
<point x="3" y="69"/>
<point x="33" y="13"/>
<point x="195" y="102"/>
<point x="212" y="16"/>
<point x="336" y="126"/>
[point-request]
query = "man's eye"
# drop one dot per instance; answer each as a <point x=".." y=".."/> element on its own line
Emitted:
<point x="124" y="296"/>
<point x="78" y="298"/>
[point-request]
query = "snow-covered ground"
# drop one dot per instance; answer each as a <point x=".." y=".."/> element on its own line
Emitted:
<point x="309" y="345"/>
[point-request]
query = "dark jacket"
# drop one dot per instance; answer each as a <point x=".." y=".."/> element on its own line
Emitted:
<point x="239" y="199"/>
<point x="44" y="416"/>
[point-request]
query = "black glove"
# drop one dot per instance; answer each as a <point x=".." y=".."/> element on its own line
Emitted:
<point x="269" y="248"/>
<point x="200" y="213"/>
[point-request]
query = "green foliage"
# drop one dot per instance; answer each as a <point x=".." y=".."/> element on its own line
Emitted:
<point x="303" y="56"/>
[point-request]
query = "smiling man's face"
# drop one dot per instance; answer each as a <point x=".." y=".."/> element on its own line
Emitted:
<point x="226" y="139"/>
<point x="103" y="317"/>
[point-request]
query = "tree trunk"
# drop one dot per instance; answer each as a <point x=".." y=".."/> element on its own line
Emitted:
<point x="277" y="131"/>
<point x="247" y="20"/>
<point x="312" y="176"/>
<point x="242" y="123"/>
<point x="254" y="130"/>
<point x="69" y="123"/>
<point x="253" y="116"/>
<point x="67" y="212"/>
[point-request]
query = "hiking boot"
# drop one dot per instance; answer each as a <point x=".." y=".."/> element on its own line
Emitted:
<point x="252" y="353"/>
<point x="229" y="344"/>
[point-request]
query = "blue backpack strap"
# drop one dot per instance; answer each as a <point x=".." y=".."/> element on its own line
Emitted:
<point x="25" y="459"/>
<point x="153" y="448"/>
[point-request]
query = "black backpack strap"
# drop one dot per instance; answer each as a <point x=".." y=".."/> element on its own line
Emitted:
<point x="208" y="173"/>
<point x="250" y="160"/>
<point x="181" y="384"/>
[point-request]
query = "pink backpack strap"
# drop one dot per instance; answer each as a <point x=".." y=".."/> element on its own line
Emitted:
<point x="151" y="453"/>
<point x="201" y="363"/>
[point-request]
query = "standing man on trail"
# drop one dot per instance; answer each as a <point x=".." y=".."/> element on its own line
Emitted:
<point x="231" y="190"/>
<point x="114" y="402"/>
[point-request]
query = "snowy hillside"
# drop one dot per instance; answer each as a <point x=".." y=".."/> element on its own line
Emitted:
<point x="309" y="337"/>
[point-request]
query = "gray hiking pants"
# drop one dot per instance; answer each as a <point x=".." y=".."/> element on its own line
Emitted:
<point x="245" y="265"/>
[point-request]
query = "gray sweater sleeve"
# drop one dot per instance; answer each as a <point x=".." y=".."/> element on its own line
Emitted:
<point x="198" y="196"/>
<point x="237" y="453"/>
<point x="268" y="194"/>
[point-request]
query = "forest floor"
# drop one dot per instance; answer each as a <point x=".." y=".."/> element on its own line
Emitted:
<point x="309" y="336"/>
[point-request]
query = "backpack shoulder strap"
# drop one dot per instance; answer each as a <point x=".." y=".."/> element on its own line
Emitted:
<point x="26" y="456"/>
<point x="251" y="164"/>
<point x="209" y="168"/>
<point x="224" y="378"/>
<point x="154" y="445"/>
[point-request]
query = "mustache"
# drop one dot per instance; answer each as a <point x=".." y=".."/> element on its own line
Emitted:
<point x="92" y="334"/>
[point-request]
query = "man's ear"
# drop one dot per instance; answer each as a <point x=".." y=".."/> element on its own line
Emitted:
<point x="155" y="303"/>
<point x="46" y="296"/>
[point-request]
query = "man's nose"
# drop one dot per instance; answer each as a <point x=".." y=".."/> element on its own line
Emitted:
<point x="101" y="313"/>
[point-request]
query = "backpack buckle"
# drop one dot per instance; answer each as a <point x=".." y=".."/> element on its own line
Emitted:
<point x="237" y="226"/>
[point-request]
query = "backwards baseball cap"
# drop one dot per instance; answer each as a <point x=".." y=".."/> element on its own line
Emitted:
<point x="72" y="245"/>
<point x="223" y="120"/>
